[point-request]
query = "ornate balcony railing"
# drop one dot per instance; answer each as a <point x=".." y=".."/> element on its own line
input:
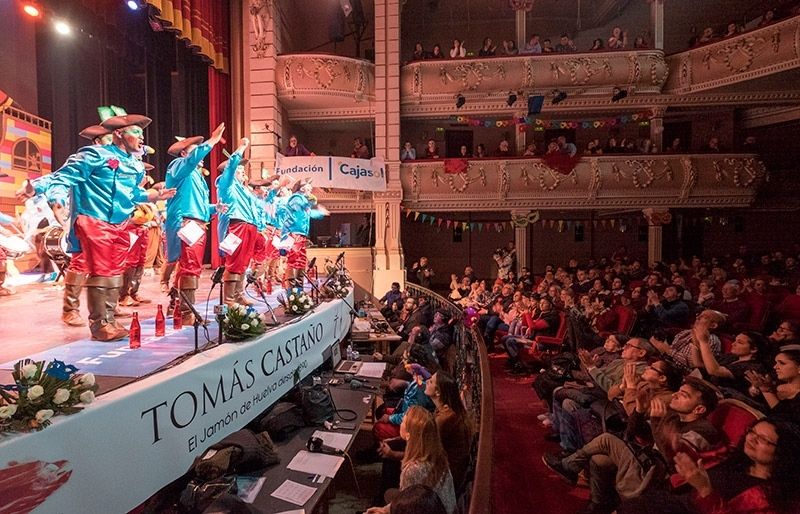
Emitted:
<point x="642" y="71"/>
<point x="317" y="82"/>
<point x="754" y="54"/>
<point x="596" y="182"/>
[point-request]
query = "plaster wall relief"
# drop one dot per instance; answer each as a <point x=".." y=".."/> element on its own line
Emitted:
<point x="754" y="54"/>
<point x="303" y="77"/>
<point x="643" y="71"/>
<point x="595" y="183"/>
<point x="260" y="12"/>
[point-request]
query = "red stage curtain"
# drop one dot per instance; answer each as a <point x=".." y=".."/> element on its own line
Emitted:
<point x="203" y="23"/>
<point x="219" y="111"/>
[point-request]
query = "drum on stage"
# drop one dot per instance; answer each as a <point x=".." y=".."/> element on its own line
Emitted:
<point x="14" y="246"/>
<point x="55" y="243"/>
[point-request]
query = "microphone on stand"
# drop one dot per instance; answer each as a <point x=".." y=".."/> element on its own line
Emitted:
<point x="216" y="277"/>
<point x="252" y="279"/>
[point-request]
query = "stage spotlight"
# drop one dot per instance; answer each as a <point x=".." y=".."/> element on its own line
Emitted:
<point x="512" y="98"/>
<point x="558" y="96"/>
<point x="62" y="27"/>
<point x="32" y="10"/>
<point x="133" y="5"/>
<point x="460" y="101"/>
<point x="619" y="94"/>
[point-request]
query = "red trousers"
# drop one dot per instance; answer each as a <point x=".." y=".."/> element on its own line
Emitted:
<point x="296" y="256"/>
<point x="260" y="249"/>
<point x="138" y="253"/>
<point x="271" y="252"/>
<point x="191" y="260"/>
<point x="77" y="264"/>
<point x="238" y="261"/>
<point x="105" y="245"/>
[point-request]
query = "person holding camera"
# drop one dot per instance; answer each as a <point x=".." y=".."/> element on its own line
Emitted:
<point x="423" y="272"/>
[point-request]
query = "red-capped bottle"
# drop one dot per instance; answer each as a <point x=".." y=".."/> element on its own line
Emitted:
<point x="177" y="315"/>
<point x="161" y="322"/>
<point x="135" y="332"/>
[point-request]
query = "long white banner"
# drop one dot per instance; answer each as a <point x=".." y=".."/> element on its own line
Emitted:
<point x="339" y="172"/>
<point x="131" y="442"/>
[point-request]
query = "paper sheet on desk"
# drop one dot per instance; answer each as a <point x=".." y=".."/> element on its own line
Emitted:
<point x="316" y="463"/>
<point x="334" y="439"/>
<point x="293" y="492"/>
<point x="371" y="369"/>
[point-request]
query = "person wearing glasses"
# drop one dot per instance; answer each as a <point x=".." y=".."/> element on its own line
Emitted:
<point x="761" y="475"/>
<point x="657" y="432"/>
<point x="296" y="149"/>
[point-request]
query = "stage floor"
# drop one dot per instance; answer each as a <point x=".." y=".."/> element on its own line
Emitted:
<point x="30" y="320"/>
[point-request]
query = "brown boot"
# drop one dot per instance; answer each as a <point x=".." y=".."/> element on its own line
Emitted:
<point x="124" y="299"/>
<point x="166" y="276"/>
<point x="229" y="288"/>
<point x="98" y="299"/>
<point x="188" y="286"/>
<point x="136" y="281"/>
<point x="71" y="310"/>
<point x="241" y="299"/>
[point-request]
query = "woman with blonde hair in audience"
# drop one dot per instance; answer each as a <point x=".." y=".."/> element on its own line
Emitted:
<point x="424" y="460"/>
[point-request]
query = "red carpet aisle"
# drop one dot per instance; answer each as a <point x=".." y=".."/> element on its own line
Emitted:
<point x="521" y="483"/>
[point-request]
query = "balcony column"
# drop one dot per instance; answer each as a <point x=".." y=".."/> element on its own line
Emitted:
<point x="261" y="107"/>
<point x="522" y="36"/>
<point x="657" y="127"/>
<point x="521" y="234"/>
<point x="656" y="219"/>
<point x="388" y="251"/>
<point x="657" y="22"/>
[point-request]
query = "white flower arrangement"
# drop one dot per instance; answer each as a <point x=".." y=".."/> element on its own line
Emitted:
<point x="296" y="301"/>
<point x="40" y="391"/>
<point x="242" y="322"/>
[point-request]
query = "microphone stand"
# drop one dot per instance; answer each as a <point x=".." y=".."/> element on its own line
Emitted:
<point x="220" y="310"/>
<point x="198" y="318"/>
<point x="254" y="281"/>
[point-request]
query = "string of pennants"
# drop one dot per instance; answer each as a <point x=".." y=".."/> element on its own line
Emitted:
<point x="561" y="225"/>
<point x="621" y="224"/>
<point x="643" y="118"/>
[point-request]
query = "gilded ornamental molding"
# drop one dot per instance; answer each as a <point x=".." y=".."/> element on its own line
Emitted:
<point x="696" y="180"/>
<point x="642" y="71"/>
<point x="754" y="54"/>
<point x="324" y="81"/>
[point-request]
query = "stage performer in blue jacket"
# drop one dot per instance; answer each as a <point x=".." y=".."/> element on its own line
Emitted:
<point x="294" y="218"/>
<point x="191" y="205"/>
<point x="107" y="181"/>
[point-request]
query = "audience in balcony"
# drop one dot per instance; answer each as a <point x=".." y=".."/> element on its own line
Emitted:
<point x="510" y="47"/>
<point x="457" y="50"/>
<point x="504" y="149"/>
<point x="767" y="18"/>
<point x="408" y="153"/>
<point x="533" y="47"/>
<point x="436" y="53"/>
<point x="530" y="150"/>
<point x="431" y="150"/>
<point x="487" y="49"/>
<point x="360" y="150"/>
<point x="618" y="39"/>
<point x="640" y="43"/>
<point x="712" y="145"/>
<point x="480" y="151"/>
<point x="597" y="45"/>
<point x="464" y="152"/>
<point x="565" y="45"/>
<point x="733" y="30"/>
<point x="296" y="149"/>
<point x="419" y="52"/>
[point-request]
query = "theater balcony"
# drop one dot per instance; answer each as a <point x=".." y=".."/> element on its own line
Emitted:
<point x="765" y="59"/>
<point x="429" y="87"/>
<point x="314" y="86"/>
<point x="596" y="182"/>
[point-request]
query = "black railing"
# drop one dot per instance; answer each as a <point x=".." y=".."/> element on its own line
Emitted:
<point x="471" y="371"/>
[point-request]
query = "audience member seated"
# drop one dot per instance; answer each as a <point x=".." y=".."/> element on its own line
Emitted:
<point x="295" y="149"/>
<point x="431" y="150"/>
<point x="487" y="49"/>
<point x="504" y="149"/>
<point x="789" y="307"/>
<point x="618" y="39"/>
<point x="782" y="399"/>
<point x="453" y="422"/>
<point x="623" y="469"/>
<point x="441" y="338"/>
<point x="787" y="332"/>
<point x="669" y="310"/>
<point x="760" y="476"/>
<point x="659" y="381"/>
<point x="732" y="30"/>
<point x="510" y="47"/>
<point x="530" y="150"/>
<point x="640" y="43"/>
<point x="705" y="294"/>
<point x="392" y="301"/>
<point x="436" y="53"/>
<point x="533" y="46"/>
<point x="681" y="351"/>
<point x="547" y="47"/>
<point x="457" y="50"/>
<point x="729" y="372"/>
<point x="544" y="323"/>
<point x="565" y="45"/>
<point x="735" y="309"/>
<point x="408" y="153"/>
<point x="415" y="350"/>
<point x="389" y="419"/>
<point x="417" y="499"/>
<point x="597" y="45"/>
<point x="419" y="52"/>
<point x="767" y="18"/>
<point x="480" y="150"/>
<point x="424" y="461"/>
<point x="360" y="150"/>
